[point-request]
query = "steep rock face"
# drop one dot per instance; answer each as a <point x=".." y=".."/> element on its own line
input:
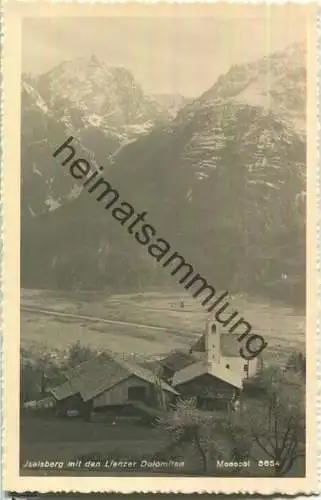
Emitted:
<point x="173" y="103"/>
<point x="224" y="183"/>
<point x="104" y="108"/>
<point x="44" y="187"/>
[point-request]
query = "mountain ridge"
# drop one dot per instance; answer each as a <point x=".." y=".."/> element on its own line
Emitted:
<point x="224" y="181"/>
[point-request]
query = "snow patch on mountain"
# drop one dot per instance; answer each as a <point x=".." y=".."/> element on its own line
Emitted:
<point x="35" y="97"/>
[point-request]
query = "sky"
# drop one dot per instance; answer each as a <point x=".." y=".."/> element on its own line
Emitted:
<point x="165" y="55"/>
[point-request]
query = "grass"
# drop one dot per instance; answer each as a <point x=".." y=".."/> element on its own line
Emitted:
<point x="51" y="438"/>
<point x="51" y="429"/>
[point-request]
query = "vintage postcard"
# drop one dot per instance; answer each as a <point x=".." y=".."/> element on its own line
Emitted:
<point x="159" y="233"/>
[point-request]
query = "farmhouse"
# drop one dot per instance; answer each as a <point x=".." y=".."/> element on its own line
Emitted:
<point x="109" y="382"/>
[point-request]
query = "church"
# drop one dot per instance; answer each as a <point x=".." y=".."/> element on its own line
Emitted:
<point x="212" y="371"/>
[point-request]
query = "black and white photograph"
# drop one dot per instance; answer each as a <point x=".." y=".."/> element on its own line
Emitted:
<point x="163" y="245"/>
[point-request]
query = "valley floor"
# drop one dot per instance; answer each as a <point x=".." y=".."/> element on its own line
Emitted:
<point x="147" y="324"/>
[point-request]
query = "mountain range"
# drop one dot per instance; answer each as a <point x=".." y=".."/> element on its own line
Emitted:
<point x="222" y="176"/>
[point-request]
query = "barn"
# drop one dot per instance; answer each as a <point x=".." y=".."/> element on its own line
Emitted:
<point x="212" y="385"/>
<point x="109" y="382"/>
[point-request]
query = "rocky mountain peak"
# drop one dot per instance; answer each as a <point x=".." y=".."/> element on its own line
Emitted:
<point x="112" y="93"/>
<point x="266" y="84"/>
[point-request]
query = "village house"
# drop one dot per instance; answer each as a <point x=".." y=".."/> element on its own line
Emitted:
<point x="110" y="383"/>
<point x="213" y="386"/>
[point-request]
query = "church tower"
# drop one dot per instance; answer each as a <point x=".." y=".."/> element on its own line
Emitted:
<point x="212" y="343"/>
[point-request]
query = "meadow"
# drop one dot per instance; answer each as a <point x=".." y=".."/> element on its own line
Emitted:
<point x="150" y="324"/>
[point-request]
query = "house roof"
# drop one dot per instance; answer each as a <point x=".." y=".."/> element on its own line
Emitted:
<point x="199" y="345"/>
<point x="99" y="375"/>
<point x="177" y="360"/>
<point x="63" y="391"/>
<point x="147" y="375"/>
<point x="202" y="368"/>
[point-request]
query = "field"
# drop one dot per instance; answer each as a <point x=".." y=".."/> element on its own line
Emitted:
<point x="51" y="438"/>
<point x="147" y="324"/>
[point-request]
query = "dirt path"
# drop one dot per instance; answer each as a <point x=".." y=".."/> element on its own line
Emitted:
<point x="48" y="312"/>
